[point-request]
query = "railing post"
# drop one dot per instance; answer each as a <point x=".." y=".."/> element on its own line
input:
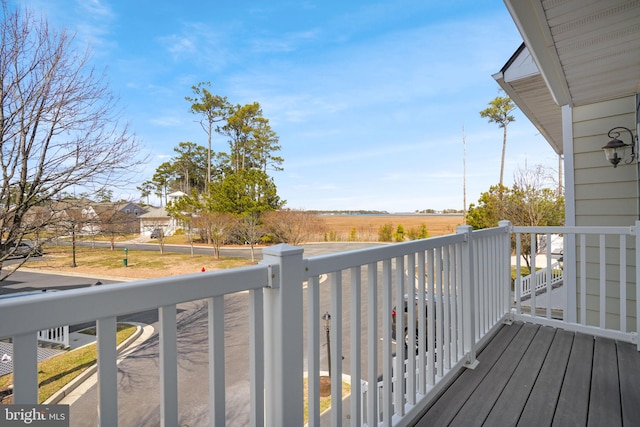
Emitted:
<point x="506" y="259"/>
<point x="468" y="298"/>
<point x="283" y="323"/>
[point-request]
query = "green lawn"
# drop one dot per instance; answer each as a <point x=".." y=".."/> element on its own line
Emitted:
<point x="60" y="370"/>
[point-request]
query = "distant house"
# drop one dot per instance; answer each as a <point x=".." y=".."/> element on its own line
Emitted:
<point x="85" y="217"/>
<point x="118" y="217"/>
<point x="158" y="218"/>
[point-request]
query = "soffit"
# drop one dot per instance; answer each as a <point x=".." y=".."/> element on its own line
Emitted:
<point x="524" y="84"/>
<point x="598" y="45"/>
<point x="586" y="51"/>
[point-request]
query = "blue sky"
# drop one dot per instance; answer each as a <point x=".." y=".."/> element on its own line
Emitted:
<point x="368" y="97"/>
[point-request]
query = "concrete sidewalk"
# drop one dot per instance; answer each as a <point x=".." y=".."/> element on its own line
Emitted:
<point x="76" y="340"/>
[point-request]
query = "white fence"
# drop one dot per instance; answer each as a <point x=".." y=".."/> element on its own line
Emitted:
<point x="58" y="335"/>
<point x="540" y="279"/>
<point x="462" y="290"/>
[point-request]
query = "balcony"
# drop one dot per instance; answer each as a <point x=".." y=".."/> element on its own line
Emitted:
<point x="462" y="288"/>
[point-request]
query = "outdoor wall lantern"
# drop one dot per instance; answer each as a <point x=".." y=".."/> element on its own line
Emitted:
<point x="615" y="149"/>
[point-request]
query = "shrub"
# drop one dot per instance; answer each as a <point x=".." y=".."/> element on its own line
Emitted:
<point x="398" y="236"/>
<point x="385" y="233"/>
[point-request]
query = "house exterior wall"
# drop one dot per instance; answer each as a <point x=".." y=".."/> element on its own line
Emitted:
<point x="604" y="195"/>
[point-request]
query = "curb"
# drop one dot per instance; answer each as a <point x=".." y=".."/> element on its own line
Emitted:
<point x="73" y="384"/>
<point x="74" y="274"/>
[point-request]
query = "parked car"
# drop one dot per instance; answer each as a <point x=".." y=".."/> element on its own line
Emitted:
<point x="157" y="233"/>
<point x="394" y="315"/>
<point x="23" y="250"/>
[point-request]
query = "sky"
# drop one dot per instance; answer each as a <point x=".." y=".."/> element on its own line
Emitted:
<point x="371" y="100"/>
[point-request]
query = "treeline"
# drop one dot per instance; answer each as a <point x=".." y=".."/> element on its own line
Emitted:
<point x="348" y="212"/>
<point x="444" y="211"/>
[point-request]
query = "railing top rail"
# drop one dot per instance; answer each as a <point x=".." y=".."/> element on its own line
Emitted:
<point x="33" y="313"/>
<point x="630" y="230"/>
<point x="483" y="232"/>
<point x="329" y="263"/>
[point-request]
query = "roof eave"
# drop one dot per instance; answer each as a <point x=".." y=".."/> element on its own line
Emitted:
<point x="532" y="24"/>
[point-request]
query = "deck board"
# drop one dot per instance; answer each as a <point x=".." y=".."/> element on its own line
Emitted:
<point x="629" y="363"/>
<point x="479" y="405"/>
<point x="604" y="402"/>
<point x="508" y="407"/>
<point x="448" y="405"/>
<point x="537" y="411"/>
<point x="533" y="375"/>
<point x="572" y="405"/>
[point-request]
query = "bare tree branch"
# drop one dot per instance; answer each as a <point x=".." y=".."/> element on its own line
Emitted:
<point x="59" y="125"/>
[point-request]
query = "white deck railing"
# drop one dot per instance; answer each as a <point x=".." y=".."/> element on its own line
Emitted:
<point x="367" y="284"/>
<point x="600" y="272"/>
<point x="462" y="287"/>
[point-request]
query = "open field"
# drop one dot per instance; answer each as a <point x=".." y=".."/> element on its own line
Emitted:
<point x="140" y="264"/>
<point x="368" y="226"/>
<point x="150" y="264"/>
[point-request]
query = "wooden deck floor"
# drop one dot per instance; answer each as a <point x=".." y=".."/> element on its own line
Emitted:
<point x="532" y="375"/>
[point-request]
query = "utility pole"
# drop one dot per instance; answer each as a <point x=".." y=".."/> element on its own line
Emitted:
<point x="464" y="177"/>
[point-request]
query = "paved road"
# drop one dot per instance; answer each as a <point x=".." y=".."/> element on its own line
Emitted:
<point x="139" y="393"/>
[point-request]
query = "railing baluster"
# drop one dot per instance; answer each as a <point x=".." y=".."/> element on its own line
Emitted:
<point x="439" y="317"/>
<point x="447" y="307"/>
<point x="336" y="353"/>
<point x="372" y="344"/>
<point x="399" y="387"/>
<point x="25" y="368"/>
<point x="496" y="281"/>
<point x="548" y="278"/>
<point x="107" y="371"/>
<point x="168" y="366"/>
<point x="623" y="283"/>
<point x="411" y="328"/>
<point x="431" y="330"/>
<point x="387" y="375"/>
<point x="356" y="339"/>
<point x="583" y="279"/>
<point x="313" y="351"/>
<point x="481" y="286"/>
<point x="603" y="280"/>
<point x="422" y="330"/>
<point x="217" y="411"/>
<point x="534" y="287"/>
<point x="519" y="286"/>
<point x="256" y="352"/>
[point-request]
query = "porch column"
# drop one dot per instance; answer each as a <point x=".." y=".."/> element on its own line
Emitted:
<point x="468" y="298"/>
<point x="283" y="323"/>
